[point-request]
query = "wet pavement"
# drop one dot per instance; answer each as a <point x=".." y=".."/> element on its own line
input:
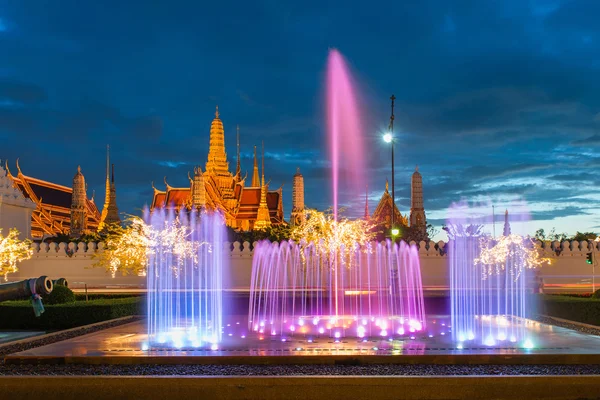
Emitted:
<point x="131" y="341"/>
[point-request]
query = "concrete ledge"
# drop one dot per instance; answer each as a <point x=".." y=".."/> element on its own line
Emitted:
<point x="444" y="359"/>
<point x="313" y="387"/>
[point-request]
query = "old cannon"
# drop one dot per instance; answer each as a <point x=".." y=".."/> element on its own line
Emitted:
<point x="28" y="289"/>
<point x="61" y="281"/>
<point x="25" y="289"/>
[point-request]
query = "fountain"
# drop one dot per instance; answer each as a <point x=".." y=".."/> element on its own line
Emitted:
<point x="184" y="278"/>
<point x="339" y="288"/>
<point x="489" y="302"/>
<point x="379" y="290"/>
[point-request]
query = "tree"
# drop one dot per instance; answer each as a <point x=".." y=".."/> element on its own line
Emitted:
<point x="584" y="236"/>
<point x="125" y="248"/>
<point x="12" y="251"/>
<point x="540" y="235"/>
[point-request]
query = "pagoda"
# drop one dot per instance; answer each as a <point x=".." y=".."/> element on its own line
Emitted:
<point x="217" y="189"/>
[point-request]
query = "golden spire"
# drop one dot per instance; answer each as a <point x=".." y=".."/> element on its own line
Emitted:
<point x="387" y="185"/>
<point x="263" y="163"/>
<point x="263" y="219"/>
<point x="238" y="169"/>
<point x="255" y="179"/>
<point x="217" y="112"/>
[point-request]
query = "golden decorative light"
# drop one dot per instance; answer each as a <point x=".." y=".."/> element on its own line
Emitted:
<point x="129" y="249"/>
<point x="514" y="252"/>
<point x="12" y="251"/>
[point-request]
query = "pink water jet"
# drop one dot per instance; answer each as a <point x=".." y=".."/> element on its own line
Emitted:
<point x="344" y="128"/>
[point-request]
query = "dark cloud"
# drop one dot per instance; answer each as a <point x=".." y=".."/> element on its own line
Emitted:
<point x="495" y="100"/>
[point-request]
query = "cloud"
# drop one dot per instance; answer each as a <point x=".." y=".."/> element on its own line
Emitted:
<point x="589" y="141"/>
<point x="21" y="93"/>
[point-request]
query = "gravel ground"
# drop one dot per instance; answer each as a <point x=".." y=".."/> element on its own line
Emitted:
<point x="282" y="370"/>
<point x="279" y="370"/>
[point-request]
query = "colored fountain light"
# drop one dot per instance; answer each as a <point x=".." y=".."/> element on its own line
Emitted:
<point x="489" y="281"/>
<point x="184" y="278"/>
<point x="370" y="291"/>
<point x="344" y="129"/>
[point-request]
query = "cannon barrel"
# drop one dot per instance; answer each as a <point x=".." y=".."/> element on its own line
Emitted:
<point x="61" y="281"/>
<point x="22" y="290"/>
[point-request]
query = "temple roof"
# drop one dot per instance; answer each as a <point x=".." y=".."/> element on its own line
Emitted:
<point x="53" y="205"/>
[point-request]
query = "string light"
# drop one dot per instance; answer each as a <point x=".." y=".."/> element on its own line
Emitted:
<point x="129" y="250"/>
<point x="496" y="252"/>
<point x="12" y="251"/>
<point x="333" y="237"/>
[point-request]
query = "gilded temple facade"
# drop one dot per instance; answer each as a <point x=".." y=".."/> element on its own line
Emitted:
<point x="217" y="189"/>
<point x="58" y="209"/>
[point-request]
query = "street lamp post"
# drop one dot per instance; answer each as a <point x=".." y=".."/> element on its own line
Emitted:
<point x="389" y="138"/>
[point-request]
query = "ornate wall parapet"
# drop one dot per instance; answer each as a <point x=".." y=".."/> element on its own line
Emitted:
<point x="246" y="249"/>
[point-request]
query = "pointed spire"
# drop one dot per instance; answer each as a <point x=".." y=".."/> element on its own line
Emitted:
<point x="110" y="211"/>
<point x="506" y="231"/>
<point x="79" y="169"/>
<point x="263" y="219"/>
<point x="263" y="163"/>
<point x="387" y="185"/>
<point x="255" y="178"/>
<point x="238" y="169"/>
<point x="217" y="112"/>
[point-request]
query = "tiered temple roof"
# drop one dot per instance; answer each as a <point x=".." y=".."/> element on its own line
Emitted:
<point x="383" y="213"/>
<point x="223" y="191"/>
<point x="52" y="214"/>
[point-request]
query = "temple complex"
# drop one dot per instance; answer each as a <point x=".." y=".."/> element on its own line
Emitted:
<point x="244" y="207"/>
<point x="383" y="213"/>
<point x="15" y="209"/>
<point x="57" y="205"/>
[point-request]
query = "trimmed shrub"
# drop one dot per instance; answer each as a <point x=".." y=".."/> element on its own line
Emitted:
<point x="19" y="314"/>
<point x="580" y="309"/>
<point x="60" y="295"/>
<point x="596" y="294"/>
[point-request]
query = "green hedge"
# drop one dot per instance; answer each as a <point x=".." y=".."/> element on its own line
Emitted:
<point x="19" y="314"/>
<point x="97" y="296"/>
<point x="580" y="309"/>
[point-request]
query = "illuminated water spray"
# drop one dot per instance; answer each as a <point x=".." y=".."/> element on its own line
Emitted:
<point x="344" y="129"/>
<point x="184" y="278"/>
<point x="342" y="288"/>
<point x="379" y="291"/>
<point x="490" y="279"/>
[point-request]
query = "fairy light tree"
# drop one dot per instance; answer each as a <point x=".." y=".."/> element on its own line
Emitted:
<point x="496" y="252"/>
<point x="331" y="236"/>
<point x="12" y="251"/>
<point x="128" y="249"/>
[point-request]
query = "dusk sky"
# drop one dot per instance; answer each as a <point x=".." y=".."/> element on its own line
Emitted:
<point x="496" y="100"/>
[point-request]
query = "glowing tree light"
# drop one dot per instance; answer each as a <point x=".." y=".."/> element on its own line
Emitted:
<point x="496" y="252"/>
<point x="128" y="249"/>
<point x="12" y="251"/>
<point x="332" y="236"/>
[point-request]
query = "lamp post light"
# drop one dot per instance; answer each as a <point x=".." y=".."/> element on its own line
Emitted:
<point x="388" y="137"/>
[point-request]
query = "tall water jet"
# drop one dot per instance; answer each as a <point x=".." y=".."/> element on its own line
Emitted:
<point x="344" y="128"/>
<point x="489" y="283"/>
<point x="379" y="291"/>
<point x="185" y="278"/>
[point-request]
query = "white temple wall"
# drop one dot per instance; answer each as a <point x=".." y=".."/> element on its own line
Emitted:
<point x="567" y="273"/>
<point x="12" y="216"/>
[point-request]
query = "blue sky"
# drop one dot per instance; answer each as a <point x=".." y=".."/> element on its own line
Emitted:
<point x="496" y="100"/>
